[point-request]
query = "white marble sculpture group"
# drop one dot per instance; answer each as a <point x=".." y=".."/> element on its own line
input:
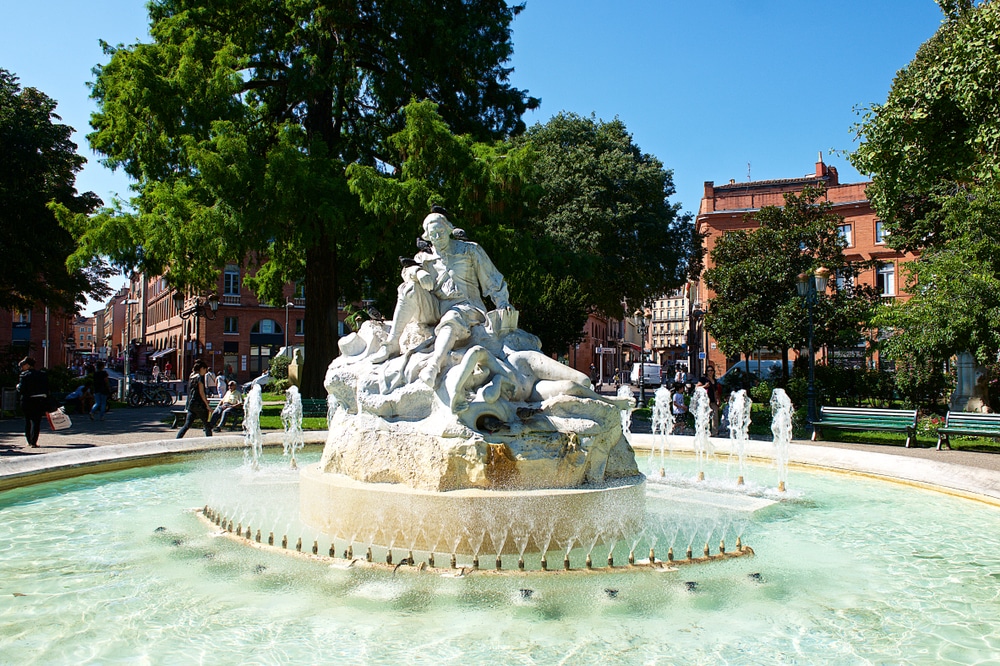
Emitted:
<point x="452" y="395"/>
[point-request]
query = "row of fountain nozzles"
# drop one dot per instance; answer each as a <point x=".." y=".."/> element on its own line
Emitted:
<point x="227" y="525"/>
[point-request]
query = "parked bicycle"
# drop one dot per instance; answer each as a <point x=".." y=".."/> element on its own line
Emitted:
<point x="140" y="394"/>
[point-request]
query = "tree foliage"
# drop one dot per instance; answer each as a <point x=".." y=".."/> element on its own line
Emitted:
<point x="564" y="211"/>
<point x="605" y="205"/>
<point x="239" y="119"/>
<point x="754" y="274"/>
<point x="937" y="136"/>
<point x="39" y="165"/>
<point x="933" y="149"/>
<point x="955" y="305"/>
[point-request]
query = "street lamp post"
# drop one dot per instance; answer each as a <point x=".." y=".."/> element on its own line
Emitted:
<point x="642" y="325"/>
<point x="694" y="341"/>
<point x="810" y="290"/>
<point x="125" y="384"/>
<point x="289" y="304"/>
<point x="204" y="307"/>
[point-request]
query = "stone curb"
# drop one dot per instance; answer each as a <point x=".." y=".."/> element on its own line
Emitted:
<point x="962" y="480"/>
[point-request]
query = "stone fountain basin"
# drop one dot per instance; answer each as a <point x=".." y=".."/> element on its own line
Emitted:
<point x="469" y="521"/>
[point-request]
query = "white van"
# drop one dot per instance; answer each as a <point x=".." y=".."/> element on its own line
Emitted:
<point x="650" y="374"/>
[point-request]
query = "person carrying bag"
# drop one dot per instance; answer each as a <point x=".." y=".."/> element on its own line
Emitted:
<point x="197" y="400"/>
<point x="33" y="389"/>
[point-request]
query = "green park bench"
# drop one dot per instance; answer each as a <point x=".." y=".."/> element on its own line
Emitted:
<point x="234" y="421"/>
<point x="313" y="407"/>
<point x="972" y="424"/>
<point x="861" y="418"/>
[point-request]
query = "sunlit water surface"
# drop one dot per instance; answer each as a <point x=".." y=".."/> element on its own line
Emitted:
<point x="847" y="570"/>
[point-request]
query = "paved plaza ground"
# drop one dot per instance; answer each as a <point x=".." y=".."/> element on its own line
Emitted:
<point x="128" y="425"/>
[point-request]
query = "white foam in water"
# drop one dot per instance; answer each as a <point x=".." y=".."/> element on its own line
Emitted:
<point x="253" y="439"/>
<point x="291" y="418"/>
<point x="698" y="497"/>
<point x="625" y="393"/>
<point x="663" y="421"/>
<point x="739" y="426"/>
<point x="702" y="421"/>
<point x="781" y="428"/>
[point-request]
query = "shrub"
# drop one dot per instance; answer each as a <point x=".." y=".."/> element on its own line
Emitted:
<point x="761" y="393"/>
<point x="921" y="383"/>
<point x="277" y="386"/>
<point x="279" y="367"/>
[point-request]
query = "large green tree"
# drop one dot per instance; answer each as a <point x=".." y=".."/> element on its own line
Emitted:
<point x="933" y="151"/>
<point x="39" y="164"/>
<point x="572" y="213"/>
<point x="937" y="135"/>
<point x="754" y="275"/>
<point x="238" y="121"/>
<point x="605" y="206"/>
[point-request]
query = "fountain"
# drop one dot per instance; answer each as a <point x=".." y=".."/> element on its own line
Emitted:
<point x="739" y="429"/>
<point x="291" y="419"/>
<point x="702" y="411"/>
<point x="663" y="422"/>
<point x="781" y="428"/>
<point x="253" y="439"/>
<point x="451" y="411"/>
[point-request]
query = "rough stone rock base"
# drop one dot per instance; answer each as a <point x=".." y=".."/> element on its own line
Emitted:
<point x="370" y="449"/>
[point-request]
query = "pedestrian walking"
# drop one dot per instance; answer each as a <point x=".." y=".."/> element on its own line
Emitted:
<point x="33" y="389"/>
<point x="210" y="385"/>
<point x="168" y="368"/>
<point x="102" y="392"/>
<point x="156" y="372"/>
<point x="197" y="400"/>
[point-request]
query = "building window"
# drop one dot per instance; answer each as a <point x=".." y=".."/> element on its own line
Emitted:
<point x="845" y="232"/>
<point x="231" y="281"/>
<point x="266" y="326"/>
<point x="886" y="279"/>
<point x="300" y="289"/>
<point x="231" y="325"/>
<point x="880" y="233"/>
<point x="844" y="280"/>
<point x="300" y="327"/>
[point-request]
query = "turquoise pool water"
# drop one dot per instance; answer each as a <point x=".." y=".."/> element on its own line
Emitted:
<point x="847" y="570"/>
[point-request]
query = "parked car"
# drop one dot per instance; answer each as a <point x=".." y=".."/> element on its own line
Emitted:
<point x="767" y="369"/>
<point x="261" y="381"/>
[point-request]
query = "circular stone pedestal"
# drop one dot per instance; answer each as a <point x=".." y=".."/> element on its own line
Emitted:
<point x="471" y="521"/>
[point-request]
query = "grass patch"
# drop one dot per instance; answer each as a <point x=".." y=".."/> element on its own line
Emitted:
<point x="308" y="423"/>
<point x="922" y="441"/>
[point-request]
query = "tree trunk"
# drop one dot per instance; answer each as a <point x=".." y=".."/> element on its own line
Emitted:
<point x="321" y="324"/>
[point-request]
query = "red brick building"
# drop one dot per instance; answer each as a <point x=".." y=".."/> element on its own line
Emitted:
<point x="239" y="338"/>
<point x="731" y="207"/>
<point x="45" y="334"/>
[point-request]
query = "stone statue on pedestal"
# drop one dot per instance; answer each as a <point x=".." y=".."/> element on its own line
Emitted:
<point x="451" y="394"/>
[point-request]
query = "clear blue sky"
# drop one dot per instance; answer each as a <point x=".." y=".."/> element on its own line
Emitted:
<point x="707" y="87"/>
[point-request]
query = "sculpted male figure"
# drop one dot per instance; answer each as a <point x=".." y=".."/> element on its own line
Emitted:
<point x="445" y="289"/>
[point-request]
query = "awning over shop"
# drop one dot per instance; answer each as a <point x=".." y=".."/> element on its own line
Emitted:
<point x="162" y="352"/>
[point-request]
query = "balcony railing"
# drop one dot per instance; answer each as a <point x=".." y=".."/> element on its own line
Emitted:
<point x="230" y="299"/>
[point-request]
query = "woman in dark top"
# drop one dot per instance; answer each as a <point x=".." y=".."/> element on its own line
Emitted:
<point x="33" y="388"/>
<point x="197" y="401"/>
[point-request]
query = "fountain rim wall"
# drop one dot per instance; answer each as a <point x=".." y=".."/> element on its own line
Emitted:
<point x="956" y="479"/>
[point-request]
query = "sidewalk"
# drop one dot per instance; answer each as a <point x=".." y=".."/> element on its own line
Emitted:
<point x="127" y="425"/>
<point x="124" y="425"/>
